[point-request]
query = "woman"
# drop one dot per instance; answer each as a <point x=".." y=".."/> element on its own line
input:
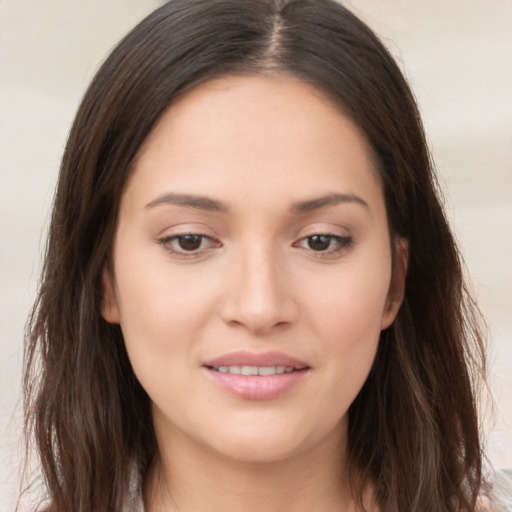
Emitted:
<point x="251" y="297"/>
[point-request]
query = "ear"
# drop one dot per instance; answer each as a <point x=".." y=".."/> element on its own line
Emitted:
<point x="109" y="305"/>
<point x="397" y="285"/>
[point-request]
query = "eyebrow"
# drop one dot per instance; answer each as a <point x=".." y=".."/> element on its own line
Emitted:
<point x="213" y="205"/>
<point x="327" y="200"/>
<point x="189" y="200"/>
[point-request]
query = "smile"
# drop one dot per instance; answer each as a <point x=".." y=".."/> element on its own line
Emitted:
<point x="256" y="376"/>
<point x="262" y="371"/>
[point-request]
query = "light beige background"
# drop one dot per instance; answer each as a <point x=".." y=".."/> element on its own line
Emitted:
<point x="457" y="55"/>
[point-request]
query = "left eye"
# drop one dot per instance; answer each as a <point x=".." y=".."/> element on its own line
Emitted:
<point x="325" y="242"/>
<point x="187" y="243"/>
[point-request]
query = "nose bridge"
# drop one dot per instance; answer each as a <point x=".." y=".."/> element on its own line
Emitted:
<point x="259" y="296"/>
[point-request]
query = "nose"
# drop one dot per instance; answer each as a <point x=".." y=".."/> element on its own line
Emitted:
<point x="259" y="294"/>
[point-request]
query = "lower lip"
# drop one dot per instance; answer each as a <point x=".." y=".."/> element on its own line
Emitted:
<point x="253" y="387"/>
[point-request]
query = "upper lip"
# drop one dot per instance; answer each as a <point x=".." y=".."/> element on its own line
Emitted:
<point x="245" y="358"/>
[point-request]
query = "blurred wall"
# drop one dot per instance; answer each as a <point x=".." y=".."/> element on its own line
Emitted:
<point x="457" y="55"/>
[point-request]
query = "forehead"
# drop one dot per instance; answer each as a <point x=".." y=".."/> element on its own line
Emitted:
<point x="257" y="133"/>
<point x="259" y="96"/>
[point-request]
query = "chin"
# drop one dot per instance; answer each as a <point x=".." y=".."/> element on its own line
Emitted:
<point x="263" y="451"/>
<point x="262" y="443"/>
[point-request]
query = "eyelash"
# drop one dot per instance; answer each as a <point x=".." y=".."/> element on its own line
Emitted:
<point x="167" y="242"/>
<point x="341" y="243"/>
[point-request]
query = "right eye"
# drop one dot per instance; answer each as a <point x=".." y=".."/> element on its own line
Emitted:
<point x="188" y="243"/>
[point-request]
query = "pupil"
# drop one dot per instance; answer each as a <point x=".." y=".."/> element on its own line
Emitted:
<point x="189" y="242"/>
<point x="319" y="242"/>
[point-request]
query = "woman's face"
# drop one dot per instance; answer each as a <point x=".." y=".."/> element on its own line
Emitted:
<point x="252" y="269"/>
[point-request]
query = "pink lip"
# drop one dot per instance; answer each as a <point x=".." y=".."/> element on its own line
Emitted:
<point x="257" y="387"/>
<point x="245" y="358"/>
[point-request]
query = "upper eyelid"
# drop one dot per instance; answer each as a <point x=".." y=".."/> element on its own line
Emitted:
<point x="331" y="230"/>
<point x="186" y="228"/>
<point x="200" y="228"/>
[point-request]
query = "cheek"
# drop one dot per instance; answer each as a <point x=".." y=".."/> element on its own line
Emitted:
<point x="348" y="305"/>
<point x="163" y="308"/>
<point x="346" y="315"/>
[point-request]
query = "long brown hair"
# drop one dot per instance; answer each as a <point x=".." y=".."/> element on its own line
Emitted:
<point x="413" y="430"/>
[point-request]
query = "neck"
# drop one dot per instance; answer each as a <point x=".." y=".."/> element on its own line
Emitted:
<point x="188" y="478"/>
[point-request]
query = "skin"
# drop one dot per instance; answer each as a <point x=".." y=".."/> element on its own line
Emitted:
<point x="260" y="146"/>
